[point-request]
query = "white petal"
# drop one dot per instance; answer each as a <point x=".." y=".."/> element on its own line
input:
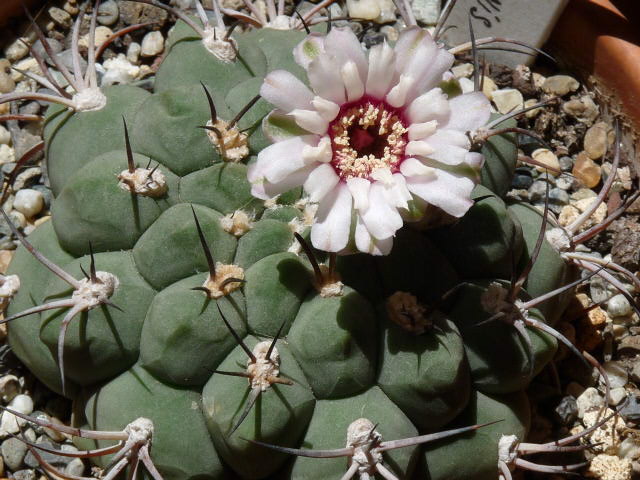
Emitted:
<point x="310" y="120"/>
<point x="342" y="44"/>
<point x="367" y="244"/>
<point x="418" y="131"/>
<point x="308" y="49"/>
<point x="285" y="91"/>
<point x="398" y="94"/>
<point x="475" y="160"/>
<point x="327" y="109"/>
<point x="469" y="111"/>
<point x="320" y="182"/>
<point x="383" y="175"/>
<point x="320" y="153"/>
<point x="263" y="189"/>
<point x="408" y="42"/>
<point x="449" y="146"/>
<point x="438" y="66"/>
<point x="279" y="160"/>
<point x="359" y="189"/>
<point x="352" y="82"/>
<point x="451" y="193"/>
<point x="381" y="70"/>
<point x="278" y="126"/>
<point x="381" y="219"/>
<point x="399" y="194"/>
<point x="413" y="167"/>
<point x="419" y="147"/>
<point x="324" y="77"/>
<point x="333" y="220"/>
<point x="432" y="105"/>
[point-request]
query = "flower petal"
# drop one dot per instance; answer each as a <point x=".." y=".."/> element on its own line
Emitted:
<point x="333" y="220"/>
<point x="324" y="77"/>
<point x="413" y="167"/>
<point x="320" y="153"/>
<point x="469" y="111"/>
<point x="279" y="160"/>
<point x="449" y="147"/>
<point x="352" y="82"/>
<point x="278" y="126"/>
<point x="308" y="49"/>
<point x="418" y="131"/>
<point x="327" y="109"/>
<point x="367" y="244"/>
<point x="432" y="105"/>
<point x="381" y="74"/>
<point x="285" y="91"/>
<point x="321" y="181"/>
<point x="263" y="189"/>
<point x="310" y="120"/>
<point x="359" y="189"/>
<point x="343" y="45"/>
<point x="381" y="219"/>
<point x="447" y="191"/>
<point x="398" y="95"/>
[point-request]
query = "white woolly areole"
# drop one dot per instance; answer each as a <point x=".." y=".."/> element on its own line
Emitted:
<point x="507" y="449"/>
<point x="493" y="299"/>
<point x="143" y="181"/>
<point x="214" y="42"/>
<point x="9" y="285"/>
<point x="217" y="286"/>
<point x="232" y="143"/>
<point x="263" y="370"/>
<point x="91" y="294"/>
<point x="559" y="239"/>
<point x="331" y="285"/>
<point x="89" y="100"/>
<point x="364" y="439"/>
<point x="237" y="223"/>
<point x="140" y="431"/>
<point x="281" y="22"/>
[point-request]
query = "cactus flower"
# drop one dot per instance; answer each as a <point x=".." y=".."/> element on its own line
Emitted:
<point x="373" y="142"/>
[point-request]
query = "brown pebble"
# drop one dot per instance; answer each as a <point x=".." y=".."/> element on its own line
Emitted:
<point x="595" y="140"/>
<point x="7" y="84"/>
<point x="597" y="316"/>
<point x="586" y="170"/>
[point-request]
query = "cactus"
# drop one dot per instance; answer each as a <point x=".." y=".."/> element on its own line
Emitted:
<point x="203" y="293"/>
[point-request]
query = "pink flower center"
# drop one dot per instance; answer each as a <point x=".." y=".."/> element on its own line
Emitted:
<point x="367" y="135"/>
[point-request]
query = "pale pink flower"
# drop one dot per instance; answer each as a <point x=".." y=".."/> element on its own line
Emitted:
<point x="373" y="142"/>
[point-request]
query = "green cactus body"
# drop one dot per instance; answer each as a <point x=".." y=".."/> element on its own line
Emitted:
<point x="383" y="344"/>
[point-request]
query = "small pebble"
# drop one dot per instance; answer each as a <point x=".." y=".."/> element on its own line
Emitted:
<point x="119" y="70"/>
<point x="586" y="170"/>
<point x="521" y="181"/>
<point x="507" y="100"/>
<point x="102" y="33"/>
<point x="629" y="448"/>
<point x="6" y="154"/>
<point x="25" y="475"/>
<point x="558" y="196"/>
<point x="618" y="376"/>
<point x="152" y="44"/>
<point x="619" y="306"/>
<point x="610" y="467"/>
<point x="595" y="140"/>
<point x="13" y="452"/>
<point x="630" y="410"/>
<point x="5" y="136"/>
<point x="566" y="163"/>
<point x="108" y="13"/>
<point x="583" y="109"/>
<point x="538" y="191"/>
<point x="488" y="86"/>
<point x="589" y="400"/>
<point x="7" y="83"/>
<point x="29" y="202"/>
<point x="464" y="70"/>
<point x="133" y="53"/>
<point x="547" y="158"/>
<point x="75" y="468"/>
<point x="16" y="50"/>
<point x="372" y="38"/>
<point x="566" y="182"/>
<point x="9" y="422"/>
<point x="567" y="410"/>
<point x="60" y="17"/>
<point x="616" y="395"/>
<point x="635" y="371"/>
<point x="27" y="178"/>
<point x="9" y="388"/>
<point x="534" y="112"/>
<point x="560" y="85"/>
